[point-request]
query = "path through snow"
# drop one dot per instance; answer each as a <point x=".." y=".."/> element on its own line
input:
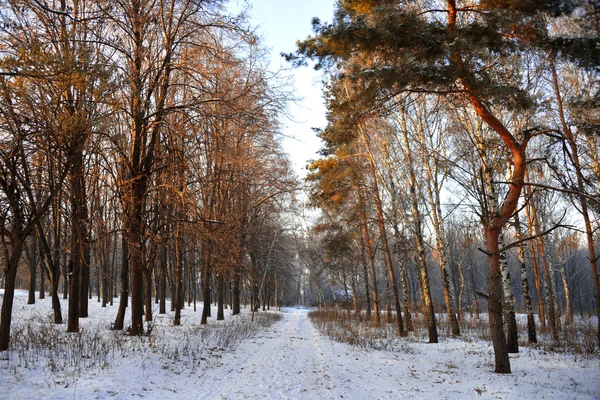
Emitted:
<point x="293" y="361"/>
<point x="284" y="363"/>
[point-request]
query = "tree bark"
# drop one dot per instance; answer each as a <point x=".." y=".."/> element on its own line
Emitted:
<point x="502" y="360"/>
<point x="104" y="272"/>
<point x="162" y="284"/>
<point x="568" y="299"/>
<point x="221" y="297"/>
<point x="512" y="336"/>
<point x="10" y="275"/>
<point x="179" y="295"/>
<point x="42" y="281"/>
<point x="363" y="257"/>
<point x="531" y="329"/>
<point x="32" y="252"/>
<point x="235" y="294"/>
<point x="206" y="284"/>
<point x="124" y="280"/>
<point x="148" y="289"/>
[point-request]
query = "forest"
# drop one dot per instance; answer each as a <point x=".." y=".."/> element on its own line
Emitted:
<point x="458" y="186"/>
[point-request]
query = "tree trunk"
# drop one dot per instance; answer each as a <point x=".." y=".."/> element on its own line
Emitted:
<point x="512" y="345"/>
<point x="10" y="275"/>
<point x="366" y="273"/>
<point x="388" y="303"/>
<point x="205" y="284"/>
<point x="235" y="294"/>
<point x="104" y="278"/>
<point x="474" y="303"/>
<point x="427" y="302"/>
<point x="410" y="326"/>
<point x="355" y="292"/>
<point x="179" y="295"/>
<point x="124" y="280"/>
<point x="512" y="337"/>
<point x="112" y="285"/>
<point x="56" y="308"/>
<point x="502" y="360"/>
<point x="162" y="284"/>
<point x="461" y="293"/>
<point x="568" y="300"/>
<point x="148" y="290"/>
<point x="65" y="273"/>
<point x="53" y="268"/>
<point x="531" y="329"/>
<point x="418" y="235"/>
<point x="78" y="239"/>
<point x="494" y="223"/>
<point x="33" y="261"/>
<point x="135" y="241"/>
<point x="220" y="297"/>
<point x="42" y="281"/>
<point x="80" y="246"/>
<point x="553" y="298"/>
<point x="171" y="278"/>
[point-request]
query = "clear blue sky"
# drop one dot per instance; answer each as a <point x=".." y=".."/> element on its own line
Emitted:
<point x="280" y="24"/>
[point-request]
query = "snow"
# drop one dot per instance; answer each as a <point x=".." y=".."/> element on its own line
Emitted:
<point x="289" y="360"/>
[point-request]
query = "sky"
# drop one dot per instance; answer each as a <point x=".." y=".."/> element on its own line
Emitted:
<point x="280" y="24"/>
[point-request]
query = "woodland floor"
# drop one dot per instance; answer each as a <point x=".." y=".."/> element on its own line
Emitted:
<point x="289" y="360"/>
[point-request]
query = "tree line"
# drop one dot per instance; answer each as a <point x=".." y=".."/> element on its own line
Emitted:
<point x="459" y="133"/>
<point x="140" y="155"/>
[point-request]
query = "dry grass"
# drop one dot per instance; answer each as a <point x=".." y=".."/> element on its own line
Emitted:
<point x="578" y="337"/>
<point x="36" y="341"/>
<point x="358" y="330"/>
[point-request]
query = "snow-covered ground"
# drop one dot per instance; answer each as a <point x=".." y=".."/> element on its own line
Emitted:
<point x="289" y="360"/>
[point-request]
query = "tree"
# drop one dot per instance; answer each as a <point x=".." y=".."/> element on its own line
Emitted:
<point x="149" y="37"/>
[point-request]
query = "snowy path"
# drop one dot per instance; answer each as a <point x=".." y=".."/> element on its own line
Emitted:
<point x="293" y="361"/>
<point x="285" y="363"/>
